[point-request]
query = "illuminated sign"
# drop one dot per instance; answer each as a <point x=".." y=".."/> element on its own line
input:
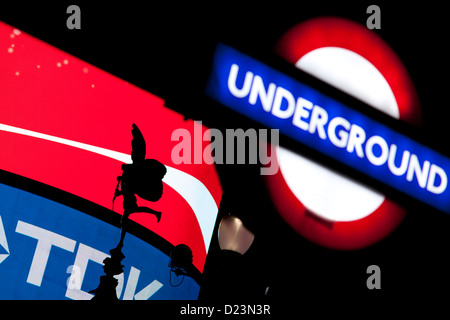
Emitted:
<point x="326" y="125"/>
<point x="55" y="252"/>
<point x="321" y="204"/>
<point x="67" y="124"/>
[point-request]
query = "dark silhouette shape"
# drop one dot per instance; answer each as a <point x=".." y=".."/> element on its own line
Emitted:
<point x="106" y="290"/>
<point x="143" y="178"/>
<point x="181" y="264"/>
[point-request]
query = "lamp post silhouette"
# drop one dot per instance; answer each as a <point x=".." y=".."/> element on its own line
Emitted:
<point x="180" y="264"/>
<point x="229" y="277"/>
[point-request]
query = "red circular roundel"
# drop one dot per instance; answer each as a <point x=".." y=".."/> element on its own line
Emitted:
<point x="322" y="205"/>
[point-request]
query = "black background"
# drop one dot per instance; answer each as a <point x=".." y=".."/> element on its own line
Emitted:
<point x="166" y="50"/>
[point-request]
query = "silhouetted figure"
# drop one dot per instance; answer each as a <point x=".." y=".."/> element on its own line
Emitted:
<point x="143" y="178"/>
<point x="106" y="290"/>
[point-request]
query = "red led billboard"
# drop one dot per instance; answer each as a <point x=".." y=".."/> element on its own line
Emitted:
<point x="67" y="124"/>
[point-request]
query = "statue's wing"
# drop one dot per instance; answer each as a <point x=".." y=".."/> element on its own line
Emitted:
<point x="138" y="146"/>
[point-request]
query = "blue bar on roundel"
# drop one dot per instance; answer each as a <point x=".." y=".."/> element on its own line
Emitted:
<point x="324" y="124"/>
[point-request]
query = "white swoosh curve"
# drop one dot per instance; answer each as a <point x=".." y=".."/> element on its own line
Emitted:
<point x="190" y="188"/>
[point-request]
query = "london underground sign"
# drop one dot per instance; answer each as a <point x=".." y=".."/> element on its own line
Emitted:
<point x="355" y="60"/>
<point x="328" y="126"/>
